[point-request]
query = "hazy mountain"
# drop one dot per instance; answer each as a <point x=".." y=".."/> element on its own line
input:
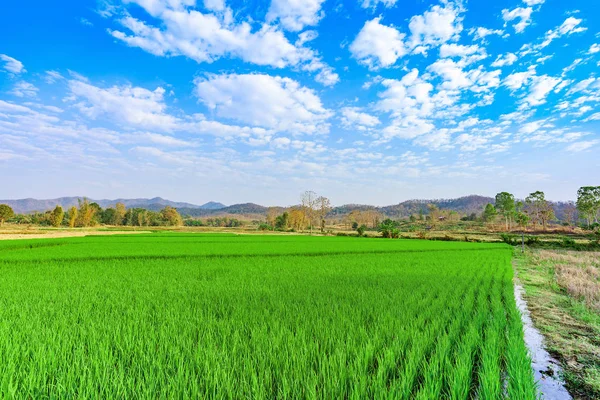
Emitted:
<point x="24" y="206"/>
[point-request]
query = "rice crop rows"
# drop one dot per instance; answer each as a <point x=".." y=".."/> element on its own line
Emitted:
<point x="257" y="317"/>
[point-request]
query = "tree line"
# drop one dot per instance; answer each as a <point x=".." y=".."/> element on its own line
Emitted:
<point x="536" y="211"/>
<point x="89" y="214"/>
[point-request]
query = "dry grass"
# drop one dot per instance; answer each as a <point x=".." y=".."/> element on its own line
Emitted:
<point x="576" y="272"/>
<point x="563" y="295"/>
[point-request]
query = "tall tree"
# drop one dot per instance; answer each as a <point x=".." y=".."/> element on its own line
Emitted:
<point x="309" y="206"/>
<point x="72" y="216"/>
<point x="539" y="209"/>
<point x="570" y="212"/>
<point x="271" y="215"/>
<point x="86" y="213"/>
<point x="6" y="212"/>
<point x="57" y="216"/>
<point x="171" y="216"/>
<point x="489" y="214"/>
<point x="588" y="203"/>
<point x="505" y="205"/>
<point x="119" y="215"/>
<point x="323" y="206"/>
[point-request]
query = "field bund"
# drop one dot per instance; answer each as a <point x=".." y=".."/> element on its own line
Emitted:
<point x="260" y="317"/>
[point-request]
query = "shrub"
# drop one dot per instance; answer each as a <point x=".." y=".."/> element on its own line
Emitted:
<point x="361" y="230"/>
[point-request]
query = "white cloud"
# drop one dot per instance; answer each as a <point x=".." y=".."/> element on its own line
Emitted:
<point x="24" y="89"/>
<point x="516" y="80"/>
<point x="568" y="27"/>
<point x="533" y="2"/>
<point x="378" y="45"/>
<point x="481" y="32"/>
<point x="436" y="26"/>
<point x="52" y="76"/>
<point x="12" y="65"/>
<point x="209" y="37"/>
<point x="374" y="3"/>
<point x="468" y="54"/>
<point x="503" y="60"/>
<point x="455" y="77"/>
<point x="125" y="104"/>
<point x="595" y="48"/>
<point x="294" y="15"/>
<point x="520" y="13"/>
<point x="581" y="146"/>
<point x="263" y="100"/>
<point x="355" y="118"/>
<point x="214" y="5"/>
<point x="540" y="87"/>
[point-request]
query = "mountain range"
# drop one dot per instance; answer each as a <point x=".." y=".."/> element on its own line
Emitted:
<point x="26" y="206"/>
<point x="464" y="205"/>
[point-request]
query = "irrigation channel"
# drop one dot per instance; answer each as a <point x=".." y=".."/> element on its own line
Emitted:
<point x="546" y="369"/>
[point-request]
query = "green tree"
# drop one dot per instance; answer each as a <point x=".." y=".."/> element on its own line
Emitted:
<point x="505" y="205"/>
<point x="6" y="212"/>
<point x="361" y="230"/>
<point x="489" y="214"/>
<point x="72" y="216"/>
<point x="388" y="229"/>
<point x="588" y="203"/>
<point x="119" y="216"/>
<point x="56" y="216"/>
<point x="170" y="216"/>
<point x="282" y="222"/>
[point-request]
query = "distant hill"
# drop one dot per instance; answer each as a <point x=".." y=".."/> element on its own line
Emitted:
<point x="24" y="206"/>
<point x="464" y="205"/>
<point x="236" y="209"/>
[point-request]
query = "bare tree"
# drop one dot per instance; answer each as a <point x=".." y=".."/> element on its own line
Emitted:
<point x="323" y="206"/>
<point x="309" y="206"/>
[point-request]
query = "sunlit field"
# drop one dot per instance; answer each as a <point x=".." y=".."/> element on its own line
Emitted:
<point x="226" y="316"/>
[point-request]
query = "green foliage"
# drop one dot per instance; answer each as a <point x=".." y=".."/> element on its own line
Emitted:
<point x="361" y="230"/>
<point x="6" y="212"/>
<point x="389" y="229"/>
<point x="57" y="215"/>
<point x="257" y="317"/>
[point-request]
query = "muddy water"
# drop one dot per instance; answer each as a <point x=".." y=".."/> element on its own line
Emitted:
<point x="546" y="369"/>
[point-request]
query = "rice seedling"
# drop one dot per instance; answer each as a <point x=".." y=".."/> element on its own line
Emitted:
<point x="225" y="316"/>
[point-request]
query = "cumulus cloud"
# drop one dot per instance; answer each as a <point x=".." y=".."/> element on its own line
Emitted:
<point x="12" y="65"/>
<point x="568" y="27"/>
<point x="266" y="101"/>
<point x="378" y="45"/>
<point x="595" y="48"/>
<point x="504" y="60"/>
<point x="539" y="89"/>
<point x="355" y="118"/>
<point x="436" y="26"/>
<point x="128" y="105"/>
<point x="523" y="15"/>
<point x="294" y="15"/>
<point x="480" y="33"/>
<point x="206" y="37"/>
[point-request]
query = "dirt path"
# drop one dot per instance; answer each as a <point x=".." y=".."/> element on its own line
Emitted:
<point x="8" y="235"/>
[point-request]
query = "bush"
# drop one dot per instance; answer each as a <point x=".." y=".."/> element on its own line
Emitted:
<point x="265" y="227"/>
<point x="361" y="230"/>
<point x="509" y="239"/>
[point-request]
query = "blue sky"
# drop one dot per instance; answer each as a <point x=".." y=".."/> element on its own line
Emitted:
<point x="363" y="101"/>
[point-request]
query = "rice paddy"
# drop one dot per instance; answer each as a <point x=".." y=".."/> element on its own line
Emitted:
<point x="259" y="317"/>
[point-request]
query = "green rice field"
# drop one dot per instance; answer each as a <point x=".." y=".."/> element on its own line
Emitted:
<point x="259" y="317"/>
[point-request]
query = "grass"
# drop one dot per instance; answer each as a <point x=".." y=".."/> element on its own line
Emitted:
<point x="563" y="293"/>
<point x="226" y="316"/>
